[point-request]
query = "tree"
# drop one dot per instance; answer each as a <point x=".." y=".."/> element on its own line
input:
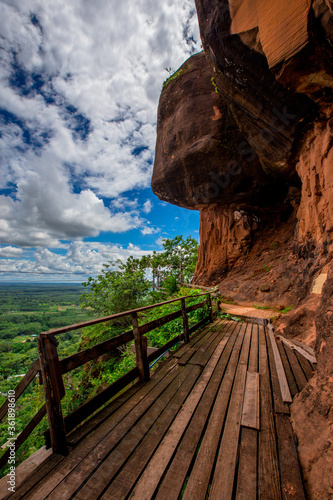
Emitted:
<point x="181" y="255"/>
<point x="128" y="285"/>
<point x="120" y="287"/>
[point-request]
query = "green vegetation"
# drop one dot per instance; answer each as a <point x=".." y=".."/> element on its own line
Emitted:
<point x="261" y="307"/>
<point x="27" y="310"/>
<point x="214" y="85"/>
<point x="287" y="309"/>
<point x="176" y="74"/>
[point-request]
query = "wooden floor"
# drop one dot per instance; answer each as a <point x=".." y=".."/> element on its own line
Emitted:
<point x="211" y="423"/>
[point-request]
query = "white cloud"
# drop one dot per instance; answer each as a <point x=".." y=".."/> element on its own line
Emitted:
<point x="147" y="206"/>
<point x="160" y="241"/>
<point x="10" y="252"/>
<point x="150" y="230"/>
<point x="80" y="259"/>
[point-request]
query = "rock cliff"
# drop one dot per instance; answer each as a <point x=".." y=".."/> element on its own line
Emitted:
<point x="245" y="135"/>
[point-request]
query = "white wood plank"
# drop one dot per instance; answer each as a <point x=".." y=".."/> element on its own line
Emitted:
<point x="285" y="392"/>
<point x="251" y="411"/>
<point x="304" y="353"/>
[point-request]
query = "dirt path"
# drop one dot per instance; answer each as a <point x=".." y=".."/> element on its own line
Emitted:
<point x="248" y="311"/>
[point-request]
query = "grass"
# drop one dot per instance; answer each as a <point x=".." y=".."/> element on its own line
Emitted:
<point x="260" y="307"/>
<point x="176" y="74"/>
<point x="287" y="309"/>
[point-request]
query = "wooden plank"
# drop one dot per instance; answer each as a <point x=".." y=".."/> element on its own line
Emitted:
<point x="148" y="327"/>
<point x="82" y="357"/>
<point x="269" y="487"/>
<point x="164" y="349"/>
<point x="87" y="427"/>
<point x="54" y="391"/>
<point x="129" y="474"/>
<point x="206" y="348"/>
<point x="81" y="431"/>
<point x="199" y="479"/>
<point x="194" y="307"/>
<point x="104" y="471"/>
<point x="279" y="405"/>
<point x="153" y="473"/>
<point x="305" y="364"/>
<point x="289" y="374"/>
<point x="39" y="474"/>
<point x="285" y="392"/>
<point x="24" y="470"/>
<point x="108" y="435"/>
<point x="21" y="386"/>
<point x="251" y="409"/>
<point x="86" y="409"/>
<point x="199" y="337"/>
<point x="185" y="357"/>
<point x="291" y="478"/>
<point x="254" y="350"/>
<point x="173" y="481"/>
<point x="185" y="322"/>
<point x="247" y="465"/>
<point x="223" y="478"/>
<point x="23" y="436"/>
<point x="296" y="368"/>
<point x="307" y="348"/>
<point x="296" y="347"/>
<point x="140" y="350"/>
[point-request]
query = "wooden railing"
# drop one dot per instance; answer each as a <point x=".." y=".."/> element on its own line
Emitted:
<point x="51" y="369"/>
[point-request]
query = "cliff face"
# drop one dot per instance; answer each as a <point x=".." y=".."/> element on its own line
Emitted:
<point x="245" y="134"/>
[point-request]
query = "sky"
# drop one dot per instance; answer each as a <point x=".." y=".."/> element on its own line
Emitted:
<point x="80" y="82"/>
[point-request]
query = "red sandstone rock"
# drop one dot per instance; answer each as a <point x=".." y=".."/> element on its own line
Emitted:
<point x="263" y="241"/>
<point x="201" y="156"/>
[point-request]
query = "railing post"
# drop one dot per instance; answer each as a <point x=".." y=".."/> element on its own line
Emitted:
<point x="210" y="308"/>
<point x="54" y="391"/>
<point x="140" y="350"/>
<point x="185" y="321"/>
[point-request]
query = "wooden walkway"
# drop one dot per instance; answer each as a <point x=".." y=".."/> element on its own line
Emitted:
<point x="211" y="423"/>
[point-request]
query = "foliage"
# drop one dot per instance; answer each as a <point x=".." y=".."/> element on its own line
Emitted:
<point x="215" y="85"/>
<point x="175" y="75"/>
<point x="120" y="287"/>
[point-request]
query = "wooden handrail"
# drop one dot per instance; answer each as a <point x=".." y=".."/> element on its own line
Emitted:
<point x="84" y="324"/>
<point x="52" y="369"/>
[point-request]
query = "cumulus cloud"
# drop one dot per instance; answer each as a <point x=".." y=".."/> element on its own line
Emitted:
<point x="80" y="260"/>
<point x="80" y="82"/>
<point x="10" y="252"/>
<point x="150" y="230"/>
<point x="147" y="206"/>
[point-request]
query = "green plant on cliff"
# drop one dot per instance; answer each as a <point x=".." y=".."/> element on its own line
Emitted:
<point x="176" y="74"/>
<point x="214" y="85"/>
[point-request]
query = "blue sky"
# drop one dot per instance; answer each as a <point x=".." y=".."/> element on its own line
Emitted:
<point x="79" y="89"/>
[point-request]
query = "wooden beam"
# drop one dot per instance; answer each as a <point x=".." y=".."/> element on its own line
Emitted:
<point x="285" y="392"/>
<point x="251" y="406"/>
<point x="185" y="321"/>
<point x="82" y="357"/>
<point x="54" y="391"/>
<point x="296" y="347"/>
<point x="140" y="350"/>
<point x="86" y="409"/>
